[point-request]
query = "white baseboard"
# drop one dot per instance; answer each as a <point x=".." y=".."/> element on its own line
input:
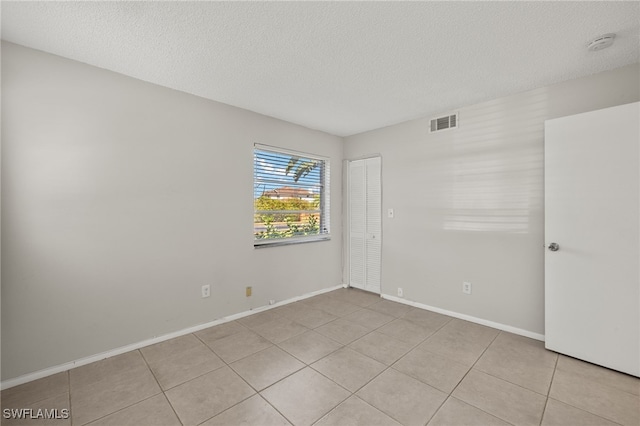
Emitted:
<point x="469" y="318"/>
<point x="6" y="384"/>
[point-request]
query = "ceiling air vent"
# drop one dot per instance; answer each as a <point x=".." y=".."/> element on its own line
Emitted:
<point x="443" y="123"/>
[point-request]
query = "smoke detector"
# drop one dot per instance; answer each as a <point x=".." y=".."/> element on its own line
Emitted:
<point x="601" y="42"/>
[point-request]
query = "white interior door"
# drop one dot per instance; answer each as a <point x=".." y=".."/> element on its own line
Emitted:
<point x="592" y="193"/>
<point x="365" y="224"/>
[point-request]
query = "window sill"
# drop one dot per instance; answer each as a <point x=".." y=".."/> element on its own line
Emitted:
<point x="289" y="241"/>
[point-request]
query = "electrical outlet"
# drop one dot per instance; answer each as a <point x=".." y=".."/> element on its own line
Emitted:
<point x="466" y="288"/>
<point x="206" y="290"/>
<point x="272" y="302"/>
<point x="400" y="292"/>
<point x="248" y="291"/>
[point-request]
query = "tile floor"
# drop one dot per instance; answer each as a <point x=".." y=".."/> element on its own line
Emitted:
<point x="341" y="358"/>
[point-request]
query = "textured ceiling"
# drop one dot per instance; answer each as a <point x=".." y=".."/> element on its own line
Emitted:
<point x="340" y="67"/>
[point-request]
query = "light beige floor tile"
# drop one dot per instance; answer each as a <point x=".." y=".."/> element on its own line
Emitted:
<point x="405" y="331"/>
<point x="502" y="399"/>
<point x="308" y="316"/>
<point x="526" y="348"/>
<point x="597" y="398"/>
<point x="316" y="301"/>
<point x="342" y="331"/>
<point x="96" y="399"/>
<point x="239" y="345"/>
<point x="393" y="309"/>
<point x="437" y="371"/>
<point x="339" y="308"/>
<point x="211" y="334"/>
<point x="595" y="373"/>
<point x="348" y="368"/>
<point x="310" y="346"/>
<point x="126" y="363"/>
<point x="259" y="318"/>
<point x="154" y="411"/>
<point x="369" y="319"/>
<point x="355" y="296"/>
<point x="305" y="396"/>
<point x="169" y="348"/>
<point x="279" y="329"/>
<point x="185" y="365"/>
<point x="253" y="411"/>
<point x="289" y="308"/>
<point x="356" y="412"/>
<point x="519" y="360"/>
<point x="455" y="412"/>
<point x="560" y="414"/>
<point x="266" y="367"/>
<point x="208" y="395"/>
<point x="469" y="331"/>
<point x="336" y="293"/>
<point x="403" y="398"/>
<point x="381" y="347"/>
<point x="430" y="320"/>
<point x="57" y="413"/>
<point x="334" y="306"/>
<point x="454" y="348"/>
<point x="37" y="390"/>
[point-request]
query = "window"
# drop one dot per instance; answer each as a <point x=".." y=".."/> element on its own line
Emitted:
<point x="290" y="196"/>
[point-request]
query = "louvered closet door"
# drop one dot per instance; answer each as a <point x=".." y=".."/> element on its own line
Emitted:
<point x="365" y="224"/>
<point x="357" y="221"/>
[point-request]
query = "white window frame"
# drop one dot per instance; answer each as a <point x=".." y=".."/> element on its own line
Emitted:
<point x="325" y="228"/>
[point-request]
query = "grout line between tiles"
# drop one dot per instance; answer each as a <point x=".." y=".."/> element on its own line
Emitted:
<point x="408" y="352"/>
<point x="414" y="347"/>
<point x="511" y="383"/>
<point x="595" y="381"/>
<point x="228" y="408"/>
<point x="471" y="368"/>
<point x="438" y="409"/>
<point x="129" y="406"/>
<point x="544" y="410"/>
<point x="588" y="412"/>
<point x="210" y="348"/>
<point x="161" y="390"/>
<point x="385" y="369"/>
<point x="71" y="422"/>
<point x="228" y="365"/>
<point x="187" y="381"/>
<point x="69" y="393"/>
<point x="312" y="362"/>
<point x="464" y="402"/>
<point x="246" y="356"/>
<point x="137" y="402"/>
<point x="331" y="409"/>
<point x="277" y="411"/>
<point x="475" y="362"/>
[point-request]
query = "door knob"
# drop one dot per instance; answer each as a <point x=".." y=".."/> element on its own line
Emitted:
<point x="554" y="247"/>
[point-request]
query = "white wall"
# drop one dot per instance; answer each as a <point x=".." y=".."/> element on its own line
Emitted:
<point x="121" y="199"/>
<point x="469" y="202"/>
